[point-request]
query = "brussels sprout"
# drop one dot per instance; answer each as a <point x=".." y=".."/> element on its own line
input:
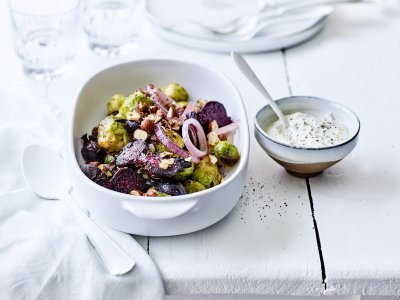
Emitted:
<point x="185" y="174"/>
<point x="130" y="102"/>
<point x="176" y="92"/>
<point x="207" y="173"/>
<point x="192" y="186"/>
<point x="112" y="136"/>
<point x="109" y="159"/>
<point x="160" y="148"/>
<point x="226" y="153"/>
<point x="115" y="103"/>
<point x="174" y="137"/>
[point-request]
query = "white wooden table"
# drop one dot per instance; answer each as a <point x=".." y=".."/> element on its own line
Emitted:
<point x="335" y="234"/>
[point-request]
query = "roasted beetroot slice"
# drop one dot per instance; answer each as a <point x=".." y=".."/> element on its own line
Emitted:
<point x="153" y="169"/>
<point x="173" y="189"/>
<point x="126" y="180"/>
<point x="94" y="174"/>
<point x="132" y="154"/>
<point x="213" y="110"/>
<point x="91" y="150"/>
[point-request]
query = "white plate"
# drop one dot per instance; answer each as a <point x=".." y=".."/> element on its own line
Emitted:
<point x="161" y="13"/>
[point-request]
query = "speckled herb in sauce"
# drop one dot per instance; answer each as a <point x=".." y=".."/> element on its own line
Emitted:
<point x="307" y="130"/>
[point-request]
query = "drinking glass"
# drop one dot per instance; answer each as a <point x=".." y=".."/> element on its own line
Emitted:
<point x="110" y="25"/>
<point x="46" y="35"/>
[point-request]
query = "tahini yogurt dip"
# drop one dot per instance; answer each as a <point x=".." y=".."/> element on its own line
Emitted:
<point x="306" y="130"/>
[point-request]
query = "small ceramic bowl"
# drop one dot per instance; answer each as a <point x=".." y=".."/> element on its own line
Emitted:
<point x="302" y="161"/>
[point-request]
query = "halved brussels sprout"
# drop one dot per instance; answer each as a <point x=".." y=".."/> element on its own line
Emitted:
<point x="176" y="92"/>
<point x="192" y="186"/>
<point x="130" y="102"/>
<point x="226" y="153"/>
<point x="115" y="103"/>
<point x="207" y="173"/>
<point x="112" y="136"/>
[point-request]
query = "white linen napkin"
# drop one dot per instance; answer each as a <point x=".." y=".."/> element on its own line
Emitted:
<point x="44" y="253"/>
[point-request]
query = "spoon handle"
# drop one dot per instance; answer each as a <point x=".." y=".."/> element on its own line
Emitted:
<point x="113" y="257"/>
<point x="252" y="77"/>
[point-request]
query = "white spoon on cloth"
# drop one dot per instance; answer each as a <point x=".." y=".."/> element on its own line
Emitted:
<point x="252" y="77"/>
<point x="45" y="172"/>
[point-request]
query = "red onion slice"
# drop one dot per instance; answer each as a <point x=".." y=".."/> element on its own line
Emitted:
<point x="193" y="135"/>
<point x="189" y="108"/>
<point x="201" y="136"/>
<point x="227" y="129"/>
<point x="165" y="140"/>
<point x="160" y="98"/>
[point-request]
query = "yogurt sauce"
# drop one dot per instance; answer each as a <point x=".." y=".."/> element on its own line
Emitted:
<point x="306" y="130"/>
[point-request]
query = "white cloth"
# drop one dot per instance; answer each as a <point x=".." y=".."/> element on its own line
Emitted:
<point x="44" y="254"/>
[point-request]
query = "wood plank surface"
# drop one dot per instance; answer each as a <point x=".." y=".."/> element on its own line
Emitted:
<point x="356" y="61"/>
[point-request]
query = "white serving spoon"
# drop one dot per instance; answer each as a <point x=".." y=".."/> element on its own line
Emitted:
<point x="45" y="172"/>
<point x="252" y="77"/>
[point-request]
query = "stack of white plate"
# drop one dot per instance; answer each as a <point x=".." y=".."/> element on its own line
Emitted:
<point x="177" y="21"/>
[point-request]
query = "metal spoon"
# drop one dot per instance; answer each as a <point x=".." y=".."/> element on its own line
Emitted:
<point x="239" y="21"/>
<point x="45" y="172"/>
<point x="310" y="18"/>
<point x="252" y="77"/>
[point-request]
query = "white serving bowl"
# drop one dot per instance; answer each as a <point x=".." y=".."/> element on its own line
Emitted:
<point x="152" y="216"/>
<point x="302" y="161"/>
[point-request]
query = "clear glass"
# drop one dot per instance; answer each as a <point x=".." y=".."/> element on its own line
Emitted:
<point x="110" y="25"/>
<point x="46" y="35"/>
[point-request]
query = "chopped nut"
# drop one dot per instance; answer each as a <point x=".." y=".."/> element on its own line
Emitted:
<point x="151" y="117"/>
<point x="213" y="159"/>
<point x="136" y="193"/>
<point x="152" y="148"/>
<point x="175" y="123"/>
<point x="163" y="164"/>
<point x="105" y="170"/>
<point x="151" y="193"/>
<point x="153" y="109"/>
<point x="133" y="116"/>
<point x="140" y="134"/>
<point x="143" y="107"/>
<point x="102" y="167"/>
<point x="148" y="125"/>
<point x="170" y="113"/>
<point x="158" y="117"/>
<point x="213" y="125"/>
<point x="189" y="159"/>
<point x="212" y="138"/>
<point x="165" y="153"/>
<point x="170" y="161"/>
